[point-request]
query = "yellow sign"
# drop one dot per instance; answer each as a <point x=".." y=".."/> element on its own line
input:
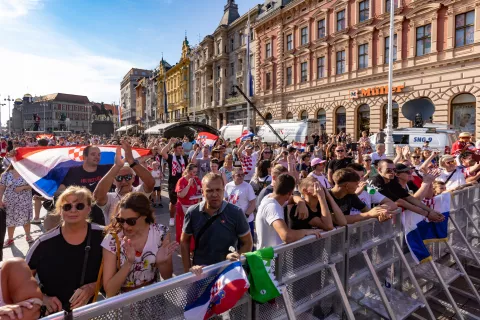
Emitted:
<point x="376" y="91"/>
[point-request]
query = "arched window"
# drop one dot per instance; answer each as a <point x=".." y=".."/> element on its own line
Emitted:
<point x="289" y="115"/>
<point x="463" y="112"/>
<point x="322" y="120"/>
<point x="303" y="115"/>
<point x="268" y="116"/>
<point x="394" y="115"/>
<point x="340" y="120"/>
<point x="363" y="119"/>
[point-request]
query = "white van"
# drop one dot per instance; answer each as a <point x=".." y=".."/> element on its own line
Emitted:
<point x="232" y="131"/>
<point x="289" y="130"/>
<point x="439" y="139"/>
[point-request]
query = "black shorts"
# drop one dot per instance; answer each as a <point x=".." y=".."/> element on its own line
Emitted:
<point x="157" y="188"/>
<point x="172" y="194"/>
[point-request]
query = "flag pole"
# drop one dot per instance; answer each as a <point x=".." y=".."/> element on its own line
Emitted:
<point x="389" y="129"/>
<point x="248" y="71"/>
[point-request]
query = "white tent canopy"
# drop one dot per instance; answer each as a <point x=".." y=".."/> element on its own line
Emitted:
<point x="126" y="128"/>
<point x="156" y="129"/>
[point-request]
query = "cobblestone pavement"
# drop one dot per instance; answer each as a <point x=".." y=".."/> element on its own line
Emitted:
<point x="20" y="246"/>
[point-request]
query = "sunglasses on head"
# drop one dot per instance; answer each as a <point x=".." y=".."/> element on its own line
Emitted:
<point x="69" y="206"/>
<point x="130" y="221"/>
<point x="126" y="177"/>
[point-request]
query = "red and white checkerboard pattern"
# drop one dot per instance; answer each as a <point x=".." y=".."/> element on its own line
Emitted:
<point x="76" y="154"/>
<point x="247" y="164"/>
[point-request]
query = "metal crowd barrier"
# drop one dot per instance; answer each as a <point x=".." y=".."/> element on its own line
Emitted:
<point x="359" y="269"/>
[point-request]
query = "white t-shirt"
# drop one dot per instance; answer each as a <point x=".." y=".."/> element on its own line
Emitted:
<point x="240" y="196"/>
<point x="157" y="175"/>
<point x="113" y="198"/>
<point x="268" y="212"/>
<point x="368" y="199"/>
<point x="457" y="179"/>
<point x="322" y="179"/>
<point x="375" y="156"/>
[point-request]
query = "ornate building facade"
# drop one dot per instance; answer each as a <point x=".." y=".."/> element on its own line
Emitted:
<point x="128" y="97"/>
<point x="219" y="62"/>
<point x="177" y="80"/>
<point x="328" y="60"/>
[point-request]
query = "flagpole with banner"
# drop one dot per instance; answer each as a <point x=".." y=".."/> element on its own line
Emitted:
<point x="249" y="75"/>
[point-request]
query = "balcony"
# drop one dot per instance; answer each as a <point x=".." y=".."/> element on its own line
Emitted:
<point x="239" y="74"/>
<point x="235" y="100"/>
<point x="210" y="83"/>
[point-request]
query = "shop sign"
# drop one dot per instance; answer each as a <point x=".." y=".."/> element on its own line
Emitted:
<point x="375" y="91"/>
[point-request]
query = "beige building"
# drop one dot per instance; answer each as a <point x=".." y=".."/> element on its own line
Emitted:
<point x="219" y="62"/>
<point x="327" y="60"/>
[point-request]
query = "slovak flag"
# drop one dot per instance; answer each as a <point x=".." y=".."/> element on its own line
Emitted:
<point x="206" y="138"/>
<point x="44" y="168"/>
<point x="419" y="231"/>
<point x="221" y="294"/>
<point x="247" y="134"/>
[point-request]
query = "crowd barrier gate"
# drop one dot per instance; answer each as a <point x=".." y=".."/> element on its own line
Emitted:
<point x="360" y="268"/>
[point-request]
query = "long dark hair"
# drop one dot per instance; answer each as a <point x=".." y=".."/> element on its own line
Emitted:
<point x="137" y="202"/>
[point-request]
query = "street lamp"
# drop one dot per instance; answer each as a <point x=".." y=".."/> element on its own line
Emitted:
<point x="1" y="105"/>
<point x="389" y="129"/>
<point x="9" y="122"/>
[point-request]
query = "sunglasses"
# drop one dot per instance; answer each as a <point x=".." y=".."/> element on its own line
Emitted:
<point x="266" y="152"/>
<point x="69" y="206"/>
<point x="240" y="175"/>
<point x="127" y="177"/>
<point x="130" y="221"/>
<point x="450" y="162"/>
<point x="340" y="151"/>
<point x="368" y="160"/>
<point x="416" y="157"/>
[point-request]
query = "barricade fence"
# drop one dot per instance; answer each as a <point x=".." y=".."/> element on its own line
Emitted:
<point x="359" y="269"/>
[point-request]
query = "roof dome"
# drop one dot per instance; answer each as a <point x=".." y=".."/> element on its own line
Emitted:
<point x="27" y="95"/>
<point x="18" y="100"/>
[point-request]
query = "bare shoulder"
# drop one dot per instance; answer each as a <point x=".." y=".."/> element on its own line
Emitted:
<point x="16" y="274"/>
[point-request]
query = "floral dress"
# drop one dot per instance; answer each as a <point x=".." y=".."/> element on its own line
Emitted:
<point x="143" y="270"/>
<point x="18" y="205"/>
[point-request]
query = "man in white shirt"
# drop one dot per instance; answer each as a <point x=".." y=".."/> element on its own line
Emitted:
<point x="122" y="174"/>
<point x="380" y="154"/>
<point x="270" y="221"/>
<point x="241" y="194"/>
<point x="451" y="175"/>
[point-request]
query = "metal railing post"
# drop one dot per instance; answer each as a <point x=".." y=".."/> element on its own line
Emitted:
<point x="341" y="290"/>
<point x="469" y="247"/>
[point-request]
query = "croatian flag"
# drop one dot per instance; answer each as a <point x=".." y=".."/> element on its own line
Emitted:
<point x="44" y="168"/>
<point x="419" y="231"/>
<point x="245" y="135"/>
<point x="300" y="146"/>
<point x="221" y="295"/>
<point x="206" y="138"/>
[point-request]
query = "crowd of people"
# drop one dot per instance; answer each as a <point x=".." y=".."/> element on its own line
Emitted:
<point x="224" y="200"/>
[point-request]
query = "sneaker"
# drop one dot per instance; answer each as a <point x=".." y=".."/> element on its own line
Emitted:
<point x="8" y="243"/>
<point x="160" y="205"/>
<point x="29" y="239"/>
<point x="36" y="221"/>
<point x="172" y="222"/>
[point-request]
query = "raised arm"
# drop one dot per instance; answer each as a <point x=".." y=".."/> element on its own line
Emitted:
<point x="102" y="188"/>
<point x="166" y="149"/>
<point x="424" y="166"/>
<point x="140" y="171"/>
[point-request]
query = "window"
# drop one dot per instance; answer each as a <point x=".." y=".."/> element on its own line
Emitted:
<point x="340" y="20"/>
<point x="218" y="48"/>
<point x="320" y="67"/>
<point x="424" y="40"/>
<point x="464" y="28"/>
<point x="340" y="62"/>
<point x="289" y="42"/>
<point x="363" y="56"/>
<point x="232" y="68"/>
<point x="304" y="36"/>
<point x="268" y="50"/>
<point x="219" y="72"/>
<point x="252" y="61"/>
<point x="232" y="44"/>
<point x="218" y="93"/>
<point x="388" y="4"/>
<point x="387" y="48"/>
<point x="363" y="10"/>
<point x="240" y="38"/>
<point x="303" y="68"/>
<point x="321" y="29"/>
<point x="289" y="76"/>
<point x="268" y="81"/>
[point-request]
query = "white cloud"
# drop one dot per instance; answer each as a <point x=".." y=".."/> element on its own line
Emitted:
<point x="17" y="8"/>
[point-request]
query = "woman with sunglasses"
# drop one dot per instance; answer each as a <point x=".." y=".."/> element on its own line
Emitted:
<point x="189" y="193"/>
<point x="59" y="256"/>
<point x="135" y="249"/>
<point x="16" y="198"/>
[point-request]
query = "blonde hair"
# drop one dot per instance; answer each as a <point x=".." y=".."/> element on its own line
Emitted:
<point x="278" y="170"/>
<point x="306" y="182"/>
<point x="81" y="193"/>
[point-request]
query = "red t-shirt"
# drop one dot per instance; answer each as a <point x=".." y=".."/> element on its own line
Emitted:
<point x="193" y="191"/>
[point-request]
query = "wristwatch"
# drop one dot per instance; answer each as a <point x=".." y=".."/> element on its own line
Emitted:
<point x="135" y="162"/>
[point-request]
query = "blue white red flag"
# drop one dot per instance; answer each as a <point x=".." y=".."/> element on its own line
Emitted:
<point x="300" y="146"/>
<point x="419" y="231"/>
<point x="245" y="136"/>
<point x="44" y="168"/>
<point x="221" y="295"/>
<point x="206" y="138"/>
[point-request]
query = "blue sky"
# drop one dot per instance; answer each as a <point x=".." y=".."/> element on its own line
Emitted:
<point x="86" y="46"/>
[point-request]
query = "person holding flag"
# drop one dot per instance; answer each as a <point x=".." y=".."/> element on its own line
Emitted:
<point x="248" y="159"/>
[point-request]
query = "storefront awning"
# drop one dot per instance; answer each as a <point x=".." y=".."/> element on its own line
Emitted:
<point x="156" y="129"/>
<point x="126" y="128"/>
